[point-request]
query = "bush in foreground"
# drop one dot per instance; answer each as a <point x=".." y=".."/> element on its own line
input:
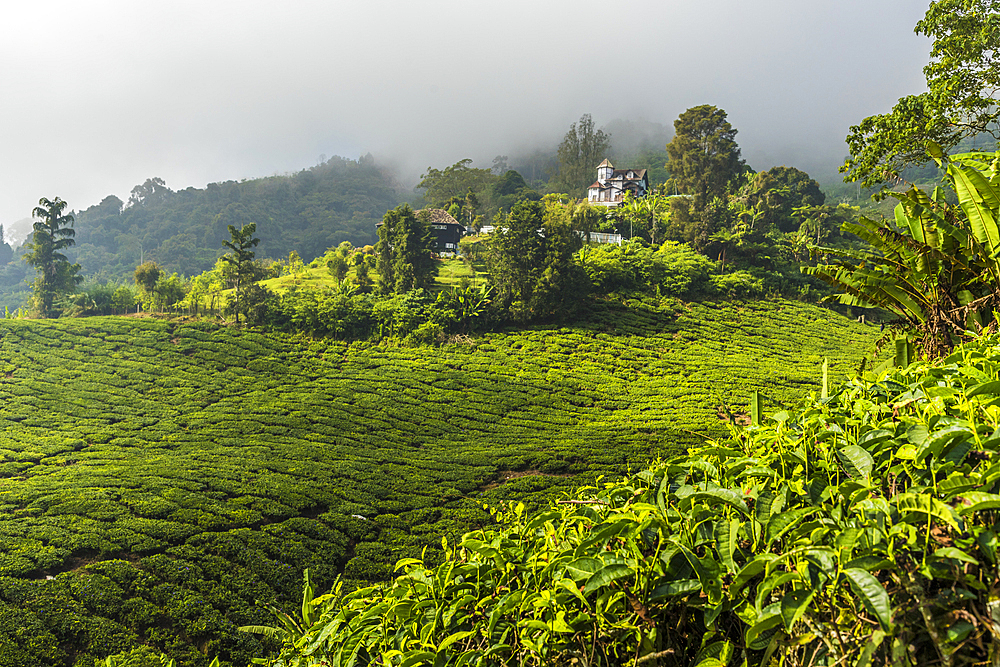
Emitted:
<point x="859" y="529"/>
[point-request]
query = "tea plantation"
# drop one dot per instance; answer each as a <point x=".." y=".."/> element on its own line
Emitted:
<point x="159" y="479"/>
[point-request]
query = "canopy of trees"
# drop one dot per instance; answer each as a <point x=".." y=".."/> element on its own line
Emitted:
<point x="581" y="150"/>
<point x="183" y="231"/>
<point x="531" y="264"/>
<point x="475" y="196"/>
<point x="404" y="251"/>
<point x="704" y="155"/>
<point x="963" y="79"/>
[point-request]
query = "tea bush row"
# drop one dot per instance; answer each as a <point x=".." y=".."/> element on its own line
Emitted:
<point x="861" y="529"/>
<point x="217" y="464"/>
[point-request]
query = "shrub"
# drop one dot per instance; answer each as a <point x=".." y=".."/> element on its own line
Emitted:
<point x="738" y="285"/>
<point x="673" y="269"/>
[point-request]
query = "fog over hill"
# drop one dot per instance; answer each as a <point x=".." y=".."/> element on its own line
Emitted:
<point x="111" y="93"/>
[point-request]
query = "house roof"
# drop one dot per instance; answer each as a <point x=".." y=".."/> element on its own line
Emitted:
<point x="437" y="217"/>
<point x="440" y="217"/>
<point x="639" y="174"/>
<point x="606" y="163"/>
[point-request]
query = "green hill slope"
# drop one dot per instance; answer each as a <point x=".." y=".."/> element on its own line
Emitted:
<point x="307" y="211"/>
<point x="157" y="479"/>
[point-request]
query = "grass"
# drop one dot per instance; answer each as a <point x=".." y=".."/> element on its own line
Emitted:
<point x="451" y="272"/>
<point x="167" y="476"/>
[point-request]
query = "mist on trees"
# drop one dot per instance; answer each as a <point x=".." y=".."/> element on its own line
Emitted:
<point x="308" y="211"/>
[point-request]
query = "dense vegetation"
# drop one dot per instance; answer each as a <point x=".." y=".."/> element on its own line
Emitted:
<point x="856" y="529"/>
<point x="158" y="478"/>
<point x="183" y="231"/>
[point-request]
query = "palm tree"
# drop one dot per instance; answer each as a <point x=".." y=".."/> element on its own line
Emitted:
<point x="937" y="267"/>
<point x="53" y="232"/>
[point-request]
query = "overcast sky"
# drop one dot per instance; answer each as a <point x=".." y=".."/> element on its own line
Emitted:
<point x="98" y="95"/>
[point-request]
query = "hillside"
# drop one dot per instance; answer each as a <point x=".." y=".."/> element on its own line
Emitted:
<point x="308" y="211"/>
<point x="159" y="478"/>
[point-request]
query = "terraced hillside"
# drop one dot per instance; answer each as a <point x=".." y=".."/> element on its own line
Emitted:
<point x="157" y="479"/>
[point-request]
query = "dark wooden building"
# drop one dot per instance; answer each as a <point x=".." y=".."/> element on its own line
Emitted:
<point x="446" y="229"/>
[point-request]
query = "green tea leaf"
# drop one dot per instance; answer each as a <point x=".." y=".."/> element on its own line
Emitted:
<point x="768" y="620"/>
<point x="726" y="535"/>
<point x="976" y="501"/>
<point x="752" y="569"/>
<point x="872" y="594"/>
<point x="990" y="388"/>
<point x="582" y="568"/>
<point x="793" y="605"/>
<point x="953" y="552"/>
<point x="606" y="575"/>
<point x="728" y="497"/>
<point x="857" y="461"/>
<point x="785" y="521"/>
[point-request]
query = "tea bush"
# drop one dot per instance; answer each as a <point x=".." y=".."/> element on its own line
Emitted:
<point x="169" y="476"/>
<point x="855" y="530"/>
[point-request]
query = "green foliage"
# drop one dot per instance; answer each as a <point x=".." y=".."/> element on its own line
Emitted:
<point x="936" y="267"/>
<point x="404" y="251"/>
<point x="738" y="285"/>
<point x="108" y="298"/>
<point x="856" y="529"/>
<point x="455" y="181"/>
<point x="306" y="211"/>
<point x="146" y="276"/>
<point x="248" y="298"/>
<point x="704" y="156"/>
<point x="473" y="195"/>
<point x="646" y="216"/>
<point x="779" y="191"/>
<point x="581" y="150"/>
<point x="672" y="269"/>
<point x="530" y="261"/>
<point x="168" y="476"/>
<point x="962" y="81"/>
<point x="53" y="233"/>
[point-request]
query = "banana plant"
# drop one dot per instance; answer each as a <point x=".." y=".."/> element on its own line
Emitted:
<point x="295" y="632"/>
<point x="935" y="265"/>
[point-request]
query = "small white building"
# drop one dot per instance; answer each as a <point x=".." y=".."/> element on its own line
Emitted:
<point x="611" y="185"/>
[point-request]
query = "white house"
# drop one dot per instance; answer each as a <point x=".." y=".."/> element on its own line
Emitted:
<point x="611" y="185"/>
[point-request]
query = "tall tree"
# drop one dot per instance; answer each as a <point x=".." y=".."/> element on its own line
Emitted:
<point x="704" y="155"/>
<point x="146" y="276"/>
<point x="581" y="150"/>
<point x="154" y="190"/>
<point x="778" y="191"/>
<point x="404" y="251"/>
<point x="240" y="258"/>
<point x="704" y="160"/>
<point x="53" y="232"/>
<point x="530" y="260"/>
<point x="963" y="79"/>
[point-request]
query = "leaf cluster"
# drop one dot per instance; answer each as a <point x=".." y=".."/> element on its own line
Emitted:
<point x="936" y="266"/>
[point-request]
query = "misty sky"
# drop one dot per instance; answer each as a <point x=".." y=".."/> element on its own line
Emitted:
<point x="99" y="95"/>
